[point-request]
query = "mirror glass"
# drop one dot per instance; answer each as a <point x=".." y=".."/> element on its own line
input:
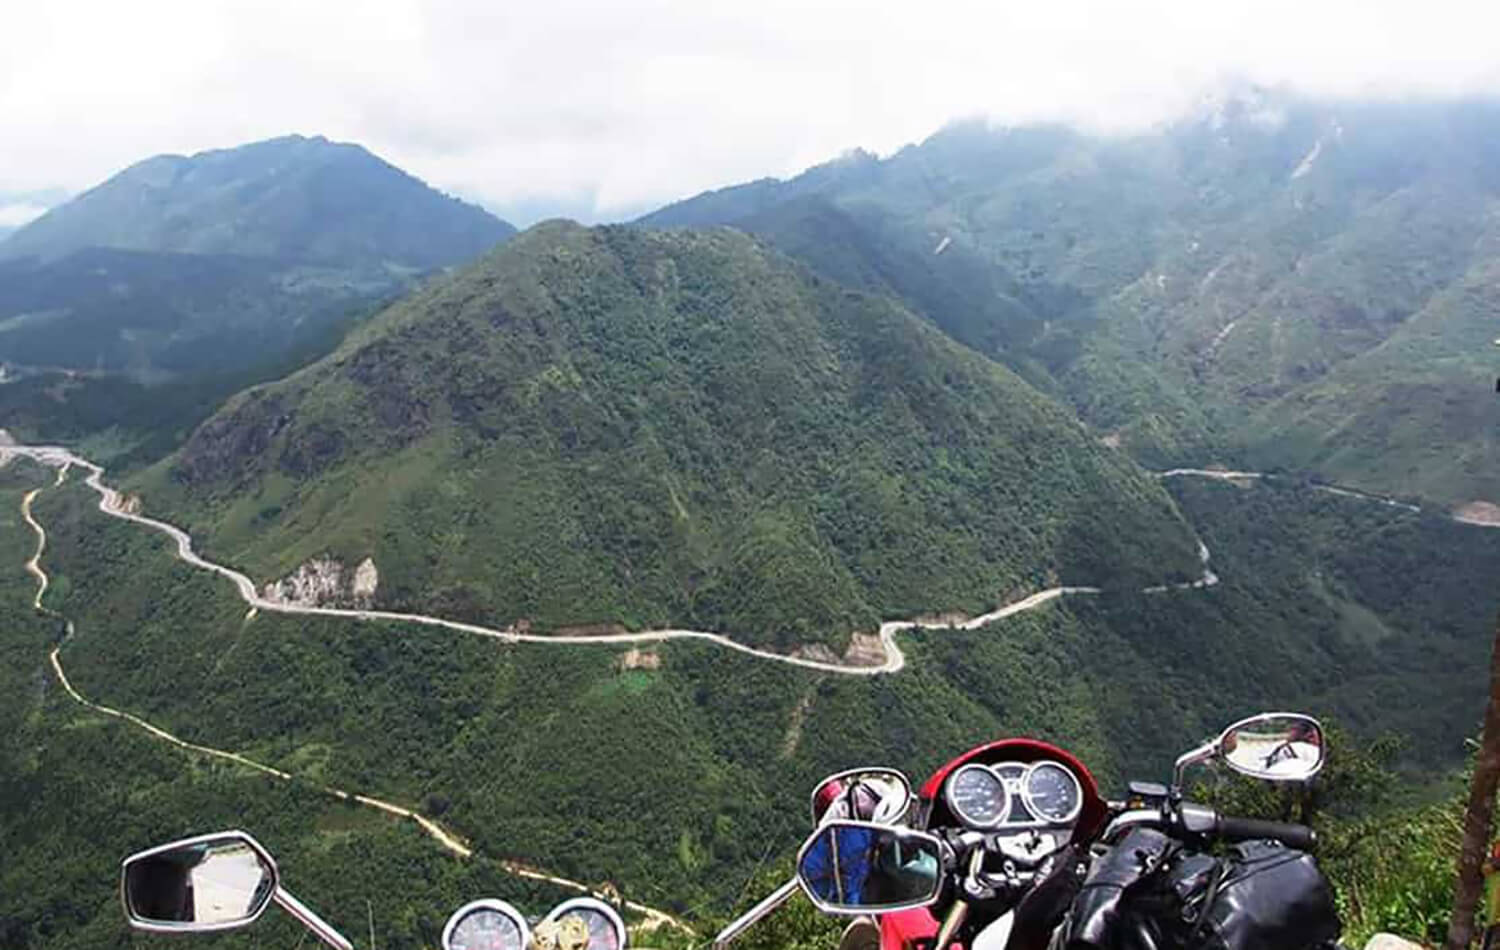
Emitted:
<point x="880" y="795"/>
<point x="218" y="881"/>
<point x="857" y="867"/>
<point x="1279" y="746"/>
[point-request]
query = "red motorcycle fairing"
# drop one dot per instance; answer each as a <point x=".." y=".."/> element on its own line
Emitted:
<point x="1095" y="809"/>
<point x="905" y="930"/>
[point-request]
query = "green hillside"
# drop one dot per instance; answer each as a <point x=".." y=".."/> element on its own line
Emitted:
<point x="187" y="267"/>
<point x="1299" y="279"/>
<point x="289" y="199"/>
<point x="617" y="426"/>
<point x="675" y="779"/>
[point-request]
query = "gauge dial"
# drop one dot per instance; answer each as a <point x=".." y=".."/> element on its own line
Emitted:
<point x="602" y="932"/>
<point x="978" y="796"/>
<point x="1052" y="792"/>
<point x="485" y="925"/>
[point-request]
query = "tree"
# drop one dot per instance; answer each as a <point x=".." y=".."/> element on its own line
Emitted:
<point x="1478" y="814"/>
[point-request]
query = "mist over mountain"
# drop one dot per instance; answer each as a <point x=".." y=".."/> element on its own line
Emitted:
<point x="1262" y="277"/>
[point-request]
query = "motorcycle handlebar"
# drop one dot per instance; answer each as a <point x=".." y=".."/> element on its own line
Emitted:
<point x="1192" y="819"/>
<point x="1292" y="835"/>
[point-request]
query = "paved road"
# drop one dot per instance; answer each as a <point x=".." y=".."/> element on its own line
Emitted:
<point x="437" y="832"/>
<point x="112" y="503"/>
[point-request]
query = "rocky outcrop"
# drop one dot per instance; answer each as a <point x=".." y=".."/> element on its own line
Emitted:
<point x="638" y="659"/>
<point x="326" y="582"/>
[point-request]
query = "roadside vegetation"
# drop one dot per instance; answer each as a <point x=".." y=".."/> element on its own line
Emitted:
<point x="683" y="783"/>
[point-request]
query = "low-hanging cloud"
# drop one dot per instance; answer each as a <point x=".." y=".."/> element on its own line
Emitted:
<point x="602" y="108"/>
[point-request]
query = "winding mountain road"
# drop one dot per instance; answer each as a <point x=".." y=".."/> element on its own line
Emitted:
<point x="450" y="841"/>
<point x="112" y="503"/>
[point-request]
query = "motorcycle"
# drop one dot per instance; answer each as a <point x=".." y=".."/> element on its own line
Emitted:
<point x="227" y="880"/>
<point x="1011" y="845"/>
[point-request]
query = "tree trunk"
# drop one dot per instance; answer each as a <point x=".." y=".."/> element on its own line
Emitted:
<point x="1479" y="814"/>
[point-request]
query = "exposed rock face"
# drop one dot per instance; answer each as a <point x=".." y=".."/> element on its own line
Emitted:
<point x="325" y="582"/>
<point x="865" y="649"/>
<point x="637" y="659"/>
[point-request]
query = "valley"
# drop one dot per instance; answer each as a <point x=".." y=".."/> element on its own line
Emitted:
<point x="453" y="559"/>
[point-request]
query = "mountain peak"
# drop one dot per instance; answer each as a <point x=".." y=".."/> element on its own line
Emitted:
<point x="294" y="198"/>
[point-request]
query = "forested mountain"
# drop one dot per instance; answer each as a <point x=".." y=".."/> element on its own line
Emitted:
<point x="677" y="770"/>
<point x="623" y="426"/>
<point x="182" y="266"/>
<point x="291" y="198"/>
<point x="1306" y="283"/>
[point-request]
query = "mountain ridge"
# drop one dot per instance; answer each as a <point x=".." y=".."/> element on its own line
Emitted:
<point x="689" y="429"/>
<point x="289" y="198"/>
<point x="1181" y="287"/>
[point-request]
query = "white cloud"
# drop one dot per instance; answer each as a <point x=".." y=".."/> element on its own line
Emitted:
<point x="15" y="215"/>
<point x="606" y="107"/>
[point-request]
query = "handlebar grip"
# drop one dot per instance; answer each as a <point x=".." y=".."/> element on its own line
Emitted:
<point x="1300" y="837"/>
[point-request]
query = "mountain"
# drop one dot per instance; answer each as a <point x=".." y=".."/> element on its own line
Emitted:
<point x="615" y="426"/>
<point x="684" y="766"/>
<point x="185" y="266"/>
<point x="1301" y="283"/>
<point x="292" y="199"/>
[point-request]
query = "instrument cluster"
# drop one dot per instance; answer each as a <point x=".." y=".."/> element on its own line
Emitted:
<point x="1041" y="793"/>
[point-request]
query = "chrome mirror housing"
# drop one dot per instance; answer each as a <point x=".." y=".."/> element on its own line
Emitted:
<point x="1278" y="747"/>
<point x="1275" y="746"/>
<point x="859" y="867"/>
<point x="219" y="881"/>
<point x="866" y="794"/>
<point x="197" y="885"/>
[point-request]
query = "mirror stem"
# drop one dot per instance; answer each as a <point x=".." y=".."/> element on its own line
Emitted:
<point x="754" y="914"/>
<point x="321" y="928"/>
<point x="1203" y="753"/>
<point x="954" y="920"/>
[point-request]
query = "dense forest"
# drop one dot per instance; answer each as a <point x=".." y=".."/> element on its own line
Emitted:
<point x="616" y="426"/>
<point x="652" y="775"/>
<point x="1309" y="283"/>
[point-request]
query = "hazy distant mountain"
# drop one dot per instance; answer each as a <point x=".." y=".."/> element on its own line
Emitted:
<point x="214" y="262"/>
<point x="1311" y="282"/>
<point x="639" y="428"/>
<point x="292" y="198"/>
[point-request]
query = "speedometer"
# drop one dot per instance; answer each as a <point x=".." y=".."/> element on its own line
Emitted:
<point x="486" y="925"/>
<point x="594" y="919"/>
<point x="1052" y="792"/>
<point x="978" y="796"/>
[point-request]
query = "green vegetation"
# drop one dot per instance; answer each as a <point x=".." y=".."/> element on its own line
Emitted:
<point x="1310" y="284"/>
<point x="184" y="267"/>
<point x="619" y="426"/>
<point x="289" y="199"/>
<point x="685" y="784"/>
<point x="79" y="791"/>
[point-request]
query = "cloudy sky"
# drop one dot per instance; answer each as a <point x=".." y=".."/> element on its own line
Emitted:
<point x="603" y="108"/>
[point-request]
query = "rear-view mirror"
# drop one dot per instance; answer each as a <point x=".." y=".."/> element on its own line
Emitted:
<point x="858" y="867"/>
<point x="212" y="882"/>
<point x="866" y="794"/>
<point x="1282" y="747"/>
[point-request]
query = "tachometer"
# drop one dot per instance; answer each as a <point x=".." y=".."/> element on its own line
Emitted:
<point x="486" y="925"/>
<point x="605" y="929"/>
<point x="1052" y="792"/>
<point x="977" y="796"/>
